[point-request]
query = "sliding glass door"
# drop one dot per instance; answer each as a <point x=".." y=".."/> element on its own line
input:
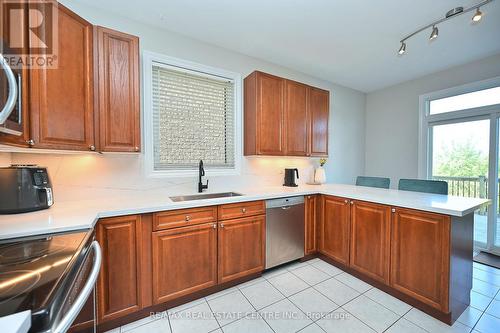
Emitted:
<point x="460" y="156"/>
<point x="459" y="144"/>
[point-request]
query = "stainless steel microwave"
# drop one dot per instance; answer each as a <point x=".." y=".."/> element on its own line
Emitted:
<point x="10" y="99"/>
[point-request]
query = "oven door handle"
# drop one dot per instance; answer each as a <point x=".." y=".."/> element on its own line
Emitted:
<point x="10" y="104"/>
<point x="75" y="309"/>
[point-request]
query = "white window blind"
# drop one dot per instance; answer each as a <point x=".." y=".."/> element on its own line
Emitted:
<point x="193" y="119"/>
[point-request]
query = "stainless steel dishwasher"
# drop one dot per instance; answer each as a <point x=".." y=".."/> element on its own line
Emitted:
<point x="284" y="230"/>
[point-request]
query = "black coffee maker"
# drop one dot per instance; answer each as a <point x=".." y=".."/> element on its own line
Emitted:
<point x="290" y="177"/>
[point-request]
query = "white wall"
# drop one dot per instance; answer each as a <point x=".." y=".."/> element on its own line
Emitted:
<point x="347" y="113"/>
<point x="392" y="118"/>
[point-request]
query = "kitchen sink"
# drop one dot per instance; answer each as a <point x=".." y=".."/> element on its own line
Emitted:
<point x="204" y="196"/>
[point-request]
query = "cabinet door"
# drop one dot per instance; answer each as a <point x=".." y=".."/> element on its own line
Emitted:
<point x="61" y="103"/>
<point x="119" y="284"/>
<point x="311" y="208"/>
<point x="270" y="115"/>
<point x="334" y="231"/>
<point x="241" y="248"/>
<point x="18" y="120"/>
<point x="297" y="128"/>
<point x="184" y="261"/>
<point x="370" y="236"/>
<point x="319" y="106"/>
<point x="420" y="254"/>
<point x="118" y="91"/>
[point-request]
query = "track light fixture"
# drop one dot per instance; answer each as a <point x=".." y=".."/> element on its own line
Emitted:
<point x="402" y="49"/>
<point x="434" y="33"/>
<point x="449" y="15"/>
<point x="477" y="16"/>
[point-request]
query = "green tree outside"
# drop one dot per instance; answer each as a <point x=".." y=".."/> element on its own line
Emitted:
<point x="461" y="160"/>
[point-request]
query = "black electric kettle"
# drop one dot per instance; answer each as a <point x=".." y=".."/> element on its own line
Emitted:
<point x="290" y="177"/>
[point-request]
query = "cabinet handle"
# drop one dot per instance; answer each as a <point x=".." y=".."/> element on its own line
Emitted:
<point x="352" y="202"/>
<point x="30" y="142"/>
<point x="346" y="201"/>
<point x="188" y="218"/>
<point x="214" y="226"/>
<point x="393" y="210"/>
<point x="92" y="147"/>
<point x="243" y="210"/>
<point x="222" y="225"/>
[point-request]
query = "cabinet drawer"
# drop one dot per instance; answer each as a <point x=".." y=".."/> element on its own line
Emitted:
<point x="184" y="217"/>
<point x="241" y="209"/>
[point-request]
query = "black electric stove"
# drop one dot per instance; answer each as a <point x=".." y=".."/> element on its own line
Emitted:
<point x="38" y="274"/>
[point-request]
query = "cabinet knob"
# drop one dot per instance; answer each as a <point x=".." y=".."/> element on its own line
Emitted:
<point x="214" y="226"/>
<point x="222" y="225"/>
<point x="243" y="210"/>
<point x="352" y="202"/>
<point x="393" y="210"/>
<point x="188" y="218"/>
<point x="136" y="148"/>
<point x="346" y="201"/>
<point x="30" y="142"/>
<point x="92" y="147"/>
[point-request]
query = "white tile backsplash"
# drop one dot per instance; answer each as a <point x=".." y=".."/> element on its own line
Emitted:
<point x="125" y="171"/>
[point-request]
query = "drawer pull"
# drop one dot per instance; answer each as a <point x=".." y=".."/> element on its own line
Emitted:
<point x="188" y="218"/>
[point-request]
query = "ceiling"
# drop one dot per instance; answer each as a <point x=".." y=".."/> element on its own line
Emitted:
<point x="350" y="42"/>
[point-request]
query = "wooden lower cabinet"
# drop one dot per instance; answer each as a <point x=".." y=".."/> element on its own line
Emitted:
<point x="420" y="256"/>
<point x="335" y="228"/>
<point x="241" y="247"/>
<point x="123" y="279"/>
<point x="311" y="217"/>
<point x="184" y="261"/>
<point x="370" y="239"/>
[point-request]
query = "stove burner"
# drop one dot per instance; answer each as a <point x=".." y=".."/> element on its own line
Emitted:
<point x="23" y="252"/>
<point x="15" y="283"/>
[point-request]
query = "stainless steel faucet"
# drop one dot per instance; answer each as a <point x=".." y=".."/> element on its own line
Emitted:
<point x="201" y="173"/>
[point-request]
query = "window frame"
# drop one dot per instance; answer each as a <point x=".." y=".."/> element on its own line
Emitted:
<point x="427" y="121"/>
<point x="151" y="58"/>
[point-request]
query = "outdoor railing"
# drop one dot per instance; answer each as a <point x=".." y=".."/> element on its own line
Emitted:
<point x="471" y="187"/>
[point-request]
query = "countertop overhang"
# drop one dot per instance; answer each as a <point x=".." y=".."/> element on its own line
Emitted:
<point x="80" y="212"/>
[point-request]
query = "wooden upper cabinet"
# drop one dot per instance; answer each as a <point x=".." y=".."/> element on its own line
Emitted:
<point x="319" y="105"/>
<point x="334" y="228"/>
<point x="284" y="117"/>
<point x="61" y="99"/>
<point x="311" y="212"/>
<point x="264" y="114"/>
<point x="118" y="91"/>
<point x="420" y="256"/>
<point x="15" y="123"/>
<point x="296" y="119"/>
<point x="370" y="239"/>
<point x="119" y="285"/>
<point x="184" y="261"/>
<point x="241" y="247"/>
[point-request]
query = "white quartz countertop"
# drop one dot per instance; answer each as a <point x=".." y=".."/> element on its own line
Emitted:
<point x="83" y="211"/>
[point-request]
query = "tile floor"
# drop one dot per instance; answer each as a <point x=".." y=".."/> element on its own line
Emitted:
<point x="316" y="297"/>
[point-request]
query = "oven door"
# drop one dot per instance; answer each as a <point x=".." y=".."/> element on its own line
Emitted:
<point x="11" y="121"/>
<point x="78" y="311"/>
